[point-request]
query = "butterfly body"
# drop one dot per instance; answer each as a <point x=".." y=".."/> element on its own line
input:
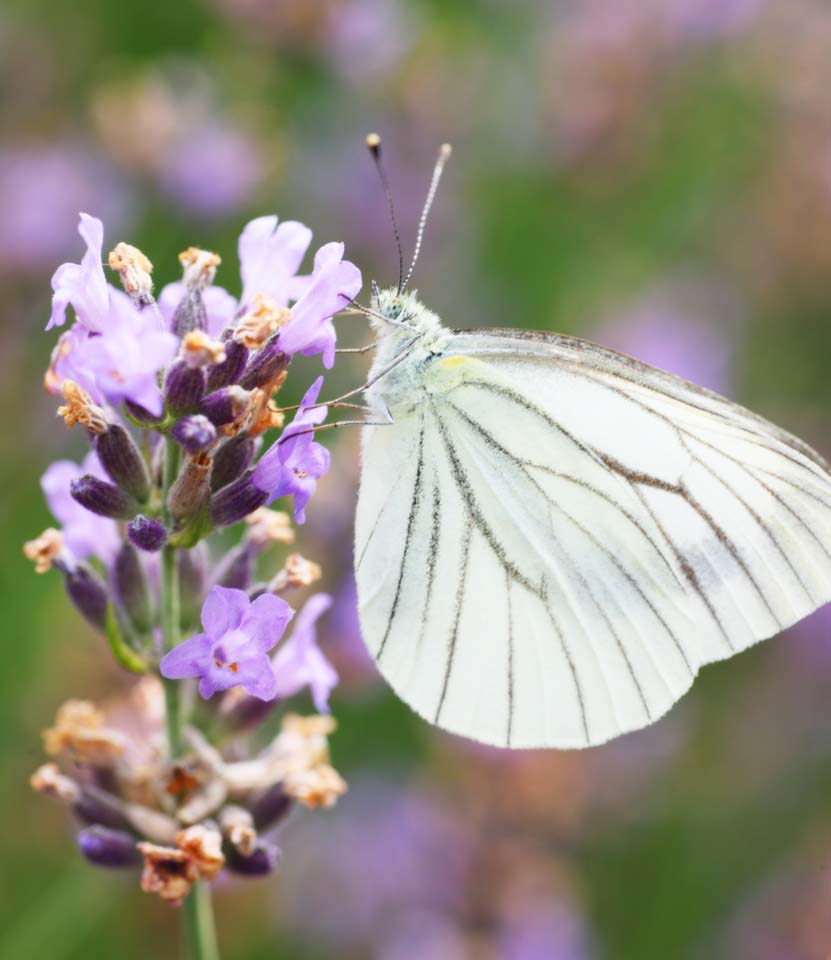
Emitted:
<point x="552" y="538"/>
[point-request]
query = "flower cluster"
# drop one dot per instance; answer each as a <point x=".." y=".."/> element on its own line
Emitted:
<point x="176" y="395"/>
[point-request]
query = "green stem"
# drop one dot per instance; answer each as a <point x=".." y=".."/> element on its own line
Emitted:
<point x="170" y="611"/>
<point x="200" y="928"/>
<point x="197" y="909"/>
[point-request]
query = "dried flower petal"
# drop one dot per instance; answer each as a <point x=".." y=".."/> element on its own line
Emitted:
<point x="266" y="527"/>
<point x="80" y="730"/>
<point x="168" y="872"/>
<point x="134" y="269"/>
<point x="79" y="408"/>
<point x="203" y="845"/>
<point x="44" y="550"/>
<point x="237" y="827"/>
<point x="200" y="350"/>
<point x="319" y="787"/>
<point x="297" y="572"/>
<point x="49" y="780"/>
<point x="199" y="267"/>
<point x="260" y="322"/>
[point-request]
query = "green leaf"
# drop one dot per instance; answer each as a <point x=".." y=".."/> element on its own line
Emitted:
<point x="128" y="658"/>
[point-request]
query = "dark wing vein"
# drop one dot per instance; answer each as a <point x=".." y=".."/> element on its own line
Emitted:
<point x="414" y="508"/>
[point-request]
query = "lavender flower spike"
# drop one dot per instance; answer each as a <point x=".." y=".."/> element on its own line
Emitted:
<point x="233" y="650"/>
<point x="299" y="662"/>
<point x="296" y="462"/>
<point x="83" y="284"/>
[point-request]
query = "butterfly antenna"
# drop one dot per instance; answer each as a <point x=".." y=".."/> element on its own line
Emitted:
<point x="373" y="142"/>
<point x="444" y="152"/>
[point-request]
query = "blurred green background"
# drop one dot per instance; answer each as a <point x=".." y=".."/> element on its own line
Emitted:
<point x="655" y="174"/>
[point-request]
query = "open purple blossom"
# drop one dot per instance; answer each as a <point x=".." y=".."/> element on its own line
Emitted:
<point x="83" y="285"/>
<point x="300" y="663"/>
<point x="68" y="363"/>
<point x="270" y="255"/>
<point x="333" y="284"/>
<point x="233" y="650"/>
<point x="293" y="465"/>
<point x="85" y="534"/>
<point x="124" y="360"/>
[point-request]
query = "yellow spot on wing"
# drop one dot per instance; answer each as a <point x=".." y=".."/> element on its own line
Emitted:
<point x="453" y="361"/>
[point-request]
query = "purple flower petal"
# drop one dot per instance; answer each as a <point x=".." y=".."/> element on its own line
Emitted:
<point x="83" y="284"/>
<point x="223" y="611"/>
<point x="257" y="677"/>
<point x="266" y="620"/>
<point x="334" y="283"/>
<point x="300" y="663"/>
<point x="186" y="659"/>
<point x="270" y="256"/>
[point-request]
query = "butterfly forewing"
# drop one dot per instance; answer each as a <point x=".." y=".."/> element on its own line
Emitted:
<point x="553" y="538"/>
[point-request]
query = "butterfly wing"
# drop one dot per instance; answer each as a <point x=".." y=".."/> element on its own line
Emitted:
<point x="554" y="538"/>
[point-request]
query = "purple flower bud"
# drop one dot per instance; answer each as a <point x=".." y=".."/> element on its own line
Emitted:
<point x="260" y="862"/>
<point x="236" y="569"/>
<point x="96" y="807"/>
<point x="108" y="848"/>
<point x="230" y="370"/>
<point x="225" y="405"/>
<point x="184" y="387"/>
<point x="190" y="314"/>
<point x="265" y="366"/>
<point x="270" y="807"/>
<point x="123" y="461"/>
<point x="191" y="487"/>
<point x="232" y="460"/>
<point x="139" y="413"/>
<point x="235" y="501"/>
<point x="88" y="594"/>
<point x="146" y="533"/>
<point x="131" y="587"/>
<point x="194" y="433"/>
<point x="105" y="499"/>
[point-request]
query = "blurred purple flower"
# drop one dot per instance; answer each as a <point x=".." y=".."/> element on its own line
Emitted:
<point x="212" y="170"/>
<point x="813" y="639"/>
<point x="83" y="284"/>
<point x="393" y="830"/>
<point x="42" y="188"/>
<point x="300" y="663"/>
<point x="270" y="256"/>
<point x="293" y="465"/>
<point x="368" y="37"/>
<point x="85" y="534"/>
<point x="705" y="20"/>
<point x="543" y="930"/>
<point x="334" y="282"/>
<point x="220" y="306"/>
<point x="233" y="651"/>
<point x="669" y="330"/>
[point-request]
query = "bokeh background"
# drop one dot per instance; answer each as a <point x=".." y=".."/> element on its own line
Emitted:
<point x="654" y="174"/>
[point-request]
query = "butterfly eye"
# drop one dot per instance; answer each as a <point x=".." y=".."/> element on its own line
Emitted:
<point x="393" y="310"/>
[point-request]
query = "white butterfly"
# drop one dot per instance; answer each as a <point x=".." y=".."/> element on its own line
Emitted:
<point x="552" y="538"/>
